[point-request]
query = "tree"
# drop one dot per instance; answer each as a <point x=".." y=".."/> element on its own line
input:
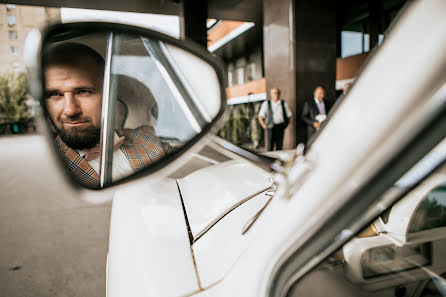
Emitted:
<point x="13" y="96"/>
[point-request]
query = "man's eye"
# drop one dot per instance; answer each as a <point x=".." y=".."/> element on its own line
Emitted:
<point x="53" y="95"/>
<point x="84" y="92"/>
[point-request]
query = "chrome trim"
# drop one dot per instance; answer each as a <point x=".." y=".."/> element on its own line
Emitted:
<point x="270" y="193"/>
<point x="233" y="207"/>
<point x="108" y="110"/>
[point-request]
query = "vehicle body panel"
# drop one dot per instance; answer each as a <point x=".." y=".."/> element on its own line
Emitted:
<point x="148" y="241"/>
<point x="220" y="247"/>
<point x="212" y="192"/>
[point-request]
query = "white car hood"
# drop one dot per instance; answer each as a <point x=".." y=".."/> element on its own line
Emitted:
<point x="149" y="253"/>
<point x="212" y="192"/>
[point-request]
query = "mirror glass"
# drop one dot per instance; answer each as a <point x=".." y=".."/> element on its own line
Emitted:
<point x="120" y="102"/>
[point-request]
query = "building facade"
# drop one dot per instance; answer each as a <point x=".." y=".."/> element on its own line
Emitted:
<point x="16" y="21"/>
<point x="296" y="45"/>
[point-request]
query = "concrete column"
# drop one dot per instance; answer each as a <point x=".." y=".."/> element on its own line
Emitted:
<point x="278" y="49"/>
<point x="315" y="43"/>
<point x="300" y="51"/>
<point x="193" y="16"/>
<point x="375" y="21"/>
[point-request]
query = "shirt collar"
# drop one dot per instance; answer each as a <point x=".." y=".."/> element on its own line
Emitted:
<point x="85" y="151"/>
<point x="317" y="101"/>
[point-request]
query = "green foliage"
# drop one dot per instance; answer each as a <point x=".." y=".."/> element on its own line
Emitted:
<point x="13" y="96"/>
<point x="241" y="126"/>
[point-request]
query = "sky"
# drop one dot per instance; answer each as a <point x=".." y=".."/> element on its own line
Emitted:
<point x="164" y="23"/>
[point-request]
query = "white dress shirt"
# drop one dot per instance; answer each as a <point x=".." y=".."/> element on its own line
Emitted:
<point x="320" y="106"/>
<point x="277" y="111"/>
<point x="121" y="166"/>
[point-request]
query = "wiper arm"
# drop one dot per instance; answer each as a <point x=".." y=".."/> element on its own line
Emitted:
<point x="270" y="164"/>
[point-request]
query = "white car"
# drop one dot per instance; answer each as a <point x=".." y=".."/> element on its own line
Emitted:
<point x="361" y="211"/>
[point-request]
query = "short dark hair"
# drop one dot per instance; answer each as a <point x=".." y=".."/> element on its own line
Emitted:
<point x="70" y="53"/>
<point x="319" y="86"/>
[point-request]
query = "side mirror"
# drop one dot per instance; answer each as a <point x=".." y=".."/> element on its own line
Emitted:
<point x="122" y="99"/>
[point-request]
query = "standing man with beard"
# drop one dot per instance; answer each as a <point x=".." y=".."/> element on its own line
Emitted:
<point x="73" y="97"/>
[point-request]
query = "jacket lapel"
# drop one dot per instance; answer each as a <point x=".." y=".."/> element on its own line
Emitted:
<point x="78" y="166"/>
<point x="141" y="146"/>
<point x="315" y="108"/>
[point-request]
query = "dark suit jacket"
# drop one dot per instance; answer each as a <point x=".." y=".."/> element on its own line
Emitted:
<point x="309" y="113"/>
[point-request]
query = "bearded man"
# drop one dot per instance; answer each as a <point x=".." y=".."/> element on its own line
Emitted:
<point x="74" y="75"/>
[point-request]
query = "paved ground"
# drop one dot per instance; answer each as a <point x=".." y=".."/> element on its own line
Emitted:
<point x="50" y="245"/>
<point x="54" y="253"/>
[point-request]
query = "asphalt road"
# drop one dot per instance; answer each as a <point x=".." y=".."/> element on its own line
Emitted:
<point x="54" y="253"/>
<point x="50" y="245"/>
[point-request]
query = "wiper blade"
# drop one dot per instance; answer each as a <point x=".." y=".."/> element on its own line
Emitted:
<point x="270" y="164"/>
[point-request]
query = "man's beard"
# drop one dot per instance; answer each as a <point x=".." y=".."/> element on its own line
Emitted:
<point x="80" y="137"/>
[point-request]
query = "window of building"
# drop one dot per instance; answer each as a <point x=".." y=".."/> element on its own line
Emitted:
<point x="366" y="44"/>
<point x="12" y="34"/>
<point x="11" y="20"/>
<point x="240" y="75"/>
<point x="251" y="71"/>
<point x="351" y="43"/>
<point x="14" y="50"/>
<point x="380" y="39"/>
<point x="230" y="79"/>
<point x="354" y="43"/>
<point x="230" y="75"/>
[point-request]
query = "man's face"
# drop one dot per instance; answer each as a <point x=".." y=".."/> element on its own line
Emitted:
<point x="74" y="101"/>
<point x="274" y="94"/>
<point x="319" y="94"/>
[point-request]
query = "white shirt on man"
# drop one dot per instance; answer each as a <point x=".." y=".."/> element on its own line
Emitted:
<point x="320" y="106"/>
<point x="277" y="111"/>
<point x="121" y="166"/>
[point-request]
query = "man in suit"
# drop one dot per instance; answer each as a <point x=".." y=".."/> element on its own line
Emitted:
<point x="73" y="97"/>
<point x="314" y="111"/>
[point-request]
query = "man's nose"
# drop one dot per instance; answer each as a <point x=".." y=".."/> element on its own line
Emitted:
<point x="71" y="106"/>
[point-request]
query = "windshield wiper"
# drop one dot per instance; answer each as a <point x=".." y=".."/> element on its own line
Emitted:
<point x="268" y="163"/>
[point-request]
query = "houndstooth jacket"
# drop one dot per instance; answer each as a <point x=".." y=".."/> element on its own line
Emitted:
<point x="141" y="147"/>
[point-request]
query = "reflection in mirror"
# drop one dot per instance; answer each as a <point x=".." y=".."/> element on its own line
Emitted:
<point x="118" y="103"/>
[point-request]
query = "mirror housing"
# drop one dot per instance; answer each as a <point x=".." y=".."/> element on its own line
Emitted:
<point x="180" y="82"/>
